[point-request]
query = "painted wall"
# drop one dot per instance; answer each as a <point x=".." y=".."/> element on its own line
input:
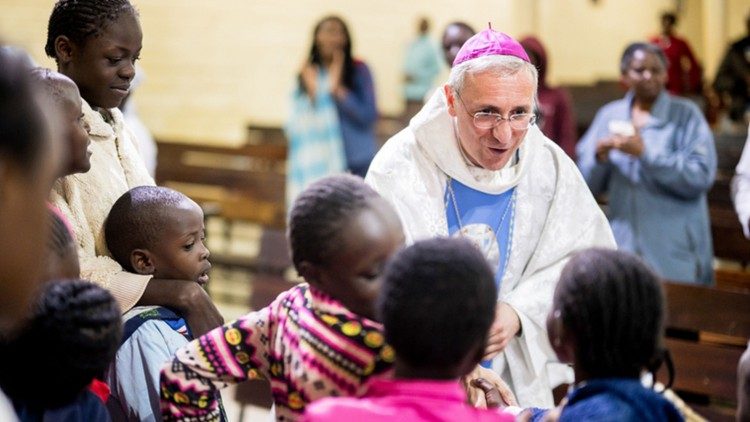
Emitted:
<point x="213" y="67"/>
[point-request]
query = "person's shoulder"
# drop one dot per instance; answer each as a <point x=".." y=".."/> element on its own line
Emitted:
<point x="396" y="152"/>
<point x="291" y="298"/>
<point x="359" y="63"/>
<point x="614" y="106"/>
<point x="683" y="107"/>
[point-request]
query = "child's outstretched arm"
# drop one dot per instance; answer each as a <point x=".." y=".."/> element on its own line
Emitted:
<point x="230" y="354"/>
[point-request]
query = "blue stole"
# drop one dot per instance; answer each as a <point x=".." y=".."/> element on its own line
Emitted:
<point x="480" y="214"/>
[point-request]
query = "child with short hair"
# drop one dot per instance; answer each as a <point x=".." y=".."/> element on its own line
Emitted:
<point x="160" y="232"/>
<point x="70" y="339"/>
<point x="96" y="44"/>
<point x="61" y="91"/>
<point x="437" y="304"/>
<point x="315" y="340"/>
<point x="607" y="319"/>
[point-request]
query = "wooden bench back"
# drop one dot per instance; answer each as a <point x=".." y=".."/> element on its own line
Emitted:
<point x="247" y="182"/>
<point x="707" y="331"/>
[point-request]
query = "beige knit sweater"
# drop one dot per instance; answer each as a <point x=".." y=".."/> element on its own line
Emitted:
<point x="85" y="199"/>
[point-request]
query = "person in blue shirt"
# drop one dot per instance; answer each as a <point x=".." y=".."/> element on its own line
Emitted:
<point x="421" y="66"/>
<point x="157" y="231"/>
<point x="653" y="155"/>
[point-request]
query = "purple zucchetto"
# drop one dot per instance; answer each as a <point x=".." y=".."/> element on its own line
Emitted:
<point x="490" y="43"/>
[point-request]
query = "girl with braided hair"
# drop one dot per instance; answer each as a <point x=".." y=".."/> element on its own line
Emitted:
<point x="607" y="320"/>
<point x="96" y="44"/>
<point x="70" y="339"/>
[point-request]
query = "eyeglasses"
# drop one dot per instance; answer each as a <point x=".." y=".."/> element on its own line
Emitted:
<point x="483" y="120"/>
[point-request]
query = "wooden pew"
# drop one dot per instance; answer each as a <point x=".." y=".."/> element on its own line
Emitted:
<point x="246" y="183"/>
<point x="588" y="99"/>
<point x="707" y="331"/>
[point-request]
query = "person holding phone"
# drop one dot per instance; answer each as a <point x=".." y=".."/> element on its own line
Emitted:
<point x="653" y="156"/>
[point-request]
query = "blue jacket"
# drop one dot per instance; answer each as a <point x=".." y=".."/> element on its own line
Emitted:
<point x="357" y="117"/>
<point x="617" y="399"/>
<point x="657" y="203"/>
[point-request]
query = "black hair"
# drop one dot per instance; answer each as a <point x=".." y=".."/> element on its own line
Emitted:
<point x="437" y="302"/>
<point x="669" y="16"/>
<point x="51" y="82"/>
<point x="321" y="211"/>
<point x="80" y="19"/>
<point x="137" y="220"/>
<point x="627" y="55"/>
<point x="72" y="337"/>
<point x="612" y="305"/>
<point x="347" y="74"/>
<point x="23" y="129"/>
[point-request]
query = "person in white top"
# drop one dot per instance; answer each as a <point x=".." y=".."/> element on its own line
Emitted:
<point x="472" y="163"/>
<point x="741" y="187"/>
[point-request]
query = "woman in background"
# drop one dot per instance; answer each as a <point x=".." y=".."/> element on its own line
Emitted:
<point x="332" y="124"/>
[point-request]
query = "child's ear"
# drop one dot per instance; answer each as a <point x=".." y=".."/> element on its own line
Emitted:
<point x="64" y="48"/>
<point x="140" y="260"/>
<point x="561" y="340"/>
<point x="310" y="272"/>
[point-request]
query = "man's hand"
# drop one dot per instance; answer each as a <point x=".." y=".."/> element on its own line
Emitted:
<point x="502" y="331"/>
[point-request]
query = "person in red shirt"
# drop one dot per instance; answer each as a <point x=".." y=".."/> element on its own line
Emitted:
<point x="684" y="72"/>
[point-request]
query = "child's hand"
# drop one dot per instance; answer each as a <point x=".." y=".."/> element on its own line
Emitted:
<point x="491" y="394"/>
<point x="482" y="382"/>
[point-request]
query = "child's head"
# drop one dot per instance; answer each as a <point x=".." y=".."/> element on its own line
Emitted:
<point x="61" y="259"/>
<point x="72" y="337"/>
<point x="29" y="163"/>
<point x="96" y="44"/>
<point x="63" y="93"/>
<point x="159" y="231"/>
<point x="341" y="233"/>
<point x="607" y="315"/>
<point x="437" y="304"/>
